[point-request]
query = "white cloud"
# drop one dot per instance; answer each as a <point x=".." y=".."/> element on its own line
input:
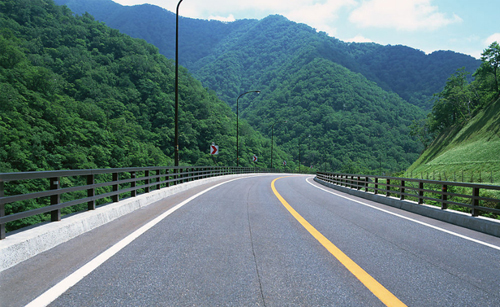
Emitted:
<point x="319" y="15"/>
<point x="492" y="38"/>
<point x="229" y="18"/>
<point x="359" y="39"/>
<point x="408" y="15"/>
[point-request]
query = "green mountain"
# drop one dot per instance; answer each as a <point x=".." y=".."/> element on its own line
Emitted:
<point x="78" y="94"/>
<point x="267" y="43"/>
<point x="347" y="106"/>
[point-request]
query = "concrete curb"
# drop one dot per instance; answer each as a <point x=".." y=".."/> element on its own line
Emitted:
<point x="481" y="224"/>
<point x="25" y="244"/>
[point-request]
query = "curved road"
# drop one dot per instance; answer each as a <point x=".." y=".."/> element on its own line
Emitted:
<point x="264" y="241"/>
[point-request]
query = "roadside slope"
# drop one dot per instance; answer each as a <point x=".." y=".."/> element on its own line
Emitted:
<point x="471" y="149"/>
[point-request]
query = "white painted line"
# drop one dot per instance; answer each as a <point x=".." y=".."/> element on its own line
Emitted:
<point x="406" y="218"/>
<point x="53" y="293"/>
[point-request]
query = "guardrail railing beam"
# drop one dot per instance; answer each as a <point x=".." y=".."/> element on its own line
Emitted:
<point x="426" y="191"/>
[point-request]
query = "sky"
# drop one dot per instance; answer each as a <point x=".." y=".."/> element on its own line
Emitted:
<point x="463" y="26"/>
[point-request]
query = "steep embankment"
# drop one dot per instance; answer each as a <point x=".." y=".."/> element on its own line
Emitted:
<point x="471" y="150"/>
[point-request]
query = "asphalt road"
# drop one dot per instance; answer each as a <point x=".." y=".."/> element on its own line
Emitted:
<point x="239" y="245"/>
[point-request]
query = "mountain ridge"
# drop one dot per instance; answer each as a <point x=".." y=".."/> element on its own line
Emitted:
<point x="194" y="50"/>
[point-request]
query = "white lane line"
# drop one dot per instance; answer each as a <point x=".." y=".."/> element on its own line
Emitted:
<point x="53" y="293"/>
<point x="407" y="218"/>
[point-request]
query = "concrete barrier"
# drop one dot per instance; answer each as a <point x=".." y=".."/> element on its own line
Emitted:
<point x="26" y="243"/>
<point x="481" y="224"/>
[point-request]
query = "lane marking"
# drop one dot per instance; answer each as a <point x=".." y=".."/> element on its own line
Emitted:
<point x="53" y="293"/>
<point x="407" y="218"/>
<point x="373" y="285"/>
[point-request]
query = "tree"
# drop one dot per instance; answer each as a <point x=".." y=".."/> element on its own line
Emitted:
<point x="489" y="70"/>
<point x="453" y="103"/>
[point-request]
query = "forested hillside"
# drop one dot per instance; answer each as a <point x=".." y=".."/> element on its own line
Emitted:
<point x="76" y="94"/>
<point x="410" y="73"/>
<point x="464" y="125"/>
<point x="349" y="105"/>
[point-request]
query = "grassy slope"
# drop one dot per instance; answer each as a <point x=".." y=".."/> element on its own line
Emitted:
<point x="473" y="149"/>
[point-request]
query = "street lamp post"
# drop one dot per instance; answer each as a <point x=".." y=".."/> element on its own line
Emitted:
<point x="238" y="126"/>
<point x="176" y="140"/>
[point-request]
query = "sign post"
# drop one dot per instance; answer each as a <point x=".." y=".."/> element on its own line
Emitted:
<point x="214" y="149"/>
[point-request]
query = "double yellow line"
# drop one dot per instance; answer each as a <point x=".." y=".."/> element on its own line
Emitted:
<point x="374" y="286"/>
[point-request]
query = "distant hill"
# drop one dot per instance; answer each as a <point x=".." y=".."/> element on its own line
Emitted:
<point x="77" y="94"/>
<point x="469" y="150"/>
<point x="410" y="73"/>
<point x="347" y="106"/>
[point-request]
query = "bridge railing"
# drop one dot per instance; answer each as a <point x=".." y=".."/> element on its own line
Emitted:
<point x="476" y="199"/>
<point x="63" y="189"/>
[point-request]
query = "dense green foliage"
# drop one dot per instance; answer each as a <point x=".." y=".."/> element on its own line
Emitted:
<point x="459" y="99"/>
<point x="342" y="121"/>
<point x="77" y="94"/>
<point x="299" y="73"/>
<point x="245" y="45"/>
<point x="465" y="122"/>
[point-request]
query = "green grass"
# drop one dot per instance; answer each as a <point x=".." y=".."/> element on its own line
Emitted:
<point x="470" y="151"/>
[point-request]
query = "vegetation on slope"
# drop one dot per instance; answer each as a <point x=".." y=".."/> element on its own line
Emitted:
<point x="265" y="44"/>
<point x="465" y="120"/>
<point x="77" y="94"/>
<point x="299" y="73"/>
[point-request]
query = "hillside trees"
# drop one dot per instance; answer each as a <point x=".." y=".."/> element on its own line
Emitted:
<point x="459" y="99"/>
<point x="488" y="72"/>
<point x="77" y="94"/>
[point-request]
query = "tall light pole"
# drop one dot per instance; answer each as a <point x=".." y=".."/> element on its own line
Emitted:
<point x="238" y="126"/>
<point x="176" y="140"/>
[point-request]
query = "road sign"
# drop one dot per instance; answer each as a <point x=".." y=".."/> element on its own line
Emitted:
<point x="254" y="158"/>
<point x="284" y="163"/>
<point x="214" y="149"/>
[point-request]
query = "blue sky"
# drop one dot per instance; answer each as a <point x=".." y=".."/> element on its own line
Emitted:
<point x="463" y="26"/>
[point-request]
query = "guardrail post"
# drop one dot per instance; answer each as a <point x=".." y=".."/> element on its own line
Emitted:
<point x="55" y="199"/>
<point x="359" y="183"/>
<point x="402" y="190"/>
<point x="158" y="179"/>
<point x="133" y="184"/>
<point x="91" y="192"/>
<point x="388" y="188"/>
<point x="475" y="201"/>
<point x="147" y="181"/>
<point x="420" y="192"/>
<point x="2" y="211"/>
<point x="376" y="185"/>
<point x="366" y="183"/>
<point x="115" y="198"/>
<point x="444" y="197"/>
<point x="167" y="177"/>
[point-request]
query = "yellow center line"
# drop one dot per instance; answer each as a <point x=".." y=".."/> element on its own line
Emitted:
<point x="374" y="286"/>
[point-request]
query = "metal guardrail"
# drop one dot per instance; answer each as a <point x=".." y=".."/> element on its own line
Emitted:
<point x="444" y="193"/>
<point x="112" y="183"/>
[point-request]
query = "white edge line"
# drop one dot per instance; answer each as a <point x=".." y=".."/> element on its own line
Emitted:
<point x="407" y="218"/>
<point x="53" y="293"/>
